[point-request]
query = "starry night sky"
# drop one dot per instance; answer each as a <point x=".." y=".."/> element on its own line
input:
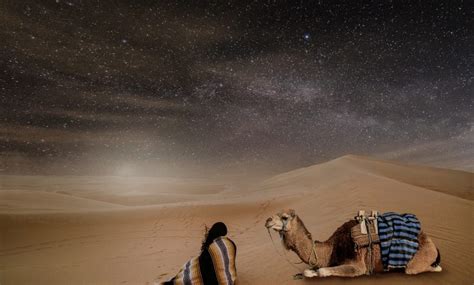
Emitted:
<point x="185" y="87"/>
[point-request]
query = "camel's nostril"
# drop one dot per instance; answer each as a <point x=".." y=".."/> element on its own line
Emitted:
<point x="268" y="220"/>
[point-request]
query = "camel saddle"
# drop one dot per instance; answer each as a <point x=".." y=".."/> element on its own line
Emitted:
<point x="366" y="232"/>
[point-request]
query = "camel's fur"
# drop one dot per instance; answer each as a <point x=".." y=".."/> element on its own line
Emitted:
<point x="337" y="256"/>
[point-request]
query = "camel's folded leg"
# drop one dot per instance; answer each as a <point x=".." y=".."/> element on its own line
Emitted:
<point x="347" y="270"/>
<point x="308" y="273"/>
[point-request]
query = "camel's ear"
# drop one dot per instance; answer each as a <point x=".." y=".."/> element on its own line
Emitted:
<point x="292" y="213"/>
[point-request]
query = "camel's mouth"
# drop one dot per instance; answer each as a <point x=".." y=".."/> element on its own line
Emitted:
<point x="270" y="224"/>
<point x="275" y="227"/>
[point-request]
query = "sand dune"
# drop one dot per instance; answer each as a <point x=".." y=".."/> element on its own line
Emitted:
<point x="135" y="235"/>
<point x="453" y="182"/>
<point x="34" y="202"/>
<point x="125" y="191"/>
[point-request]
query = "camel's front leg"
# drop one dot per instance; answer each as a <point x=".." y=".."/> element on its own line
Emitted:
<point x="347" y="270"/>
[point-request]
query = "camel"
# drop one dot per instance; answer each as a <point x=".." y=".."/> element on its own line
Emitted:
<point x="337" y="255"/>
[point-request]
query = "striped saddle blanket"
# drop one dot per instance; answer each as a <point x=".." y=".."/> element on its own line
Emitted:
<point x="398" y="235"/>
<point x="222" y="254"/>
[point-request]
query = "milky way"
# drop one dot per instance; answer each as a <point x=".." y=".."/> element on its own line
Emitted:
<point x="175" y="87"/>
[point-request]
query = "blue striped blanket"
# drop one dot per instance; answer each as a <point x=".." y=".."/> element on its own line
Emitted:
<point x="398" y="235"/>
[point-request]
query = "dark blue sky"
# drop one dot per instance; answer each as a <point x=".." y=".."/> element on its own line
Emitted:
<point x="174" y="87"/>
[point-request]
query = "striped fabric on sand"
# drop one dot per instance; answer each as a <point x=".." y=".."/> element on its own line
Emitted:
<point x="223" y="253"/>
<point x="190" y="274"/>
<point x="398" y="235"/>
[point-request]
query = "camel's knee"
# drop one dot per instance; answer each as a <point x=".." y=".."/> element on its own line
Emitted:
<point x="321" y="272"/>
<point x="342" y="271"/>
<point x="309" y="273"/>
<point x="324" y="272"/>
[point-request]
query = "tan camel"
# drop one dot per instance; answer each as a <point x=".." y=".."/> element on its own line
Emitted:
<point x="337" y="256"/>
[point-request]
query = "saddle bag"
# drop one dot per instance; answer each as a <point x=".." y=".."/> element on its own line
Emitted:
<point x="366" y="231"/>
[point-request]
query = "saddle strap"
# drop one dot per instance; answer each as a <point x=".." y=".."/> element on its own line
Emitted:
<point x="366" y="235"/>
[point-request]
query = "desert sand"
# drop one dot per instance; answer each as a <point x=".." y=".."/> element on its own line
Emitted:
<point x="124" y="230"/>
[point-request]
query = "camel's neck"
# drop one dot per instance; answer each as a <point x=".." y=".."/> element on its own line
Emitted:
<point x="299" y="240"/>
<point x="300" y="244"/>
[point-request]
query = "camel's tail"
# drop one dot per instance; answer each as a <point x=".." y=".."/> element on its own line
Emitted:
<point x="438" y="259"/>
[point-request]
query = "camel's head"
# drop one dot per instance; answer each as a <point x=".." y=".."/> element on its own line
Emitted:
<point x="283" y="221"/>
